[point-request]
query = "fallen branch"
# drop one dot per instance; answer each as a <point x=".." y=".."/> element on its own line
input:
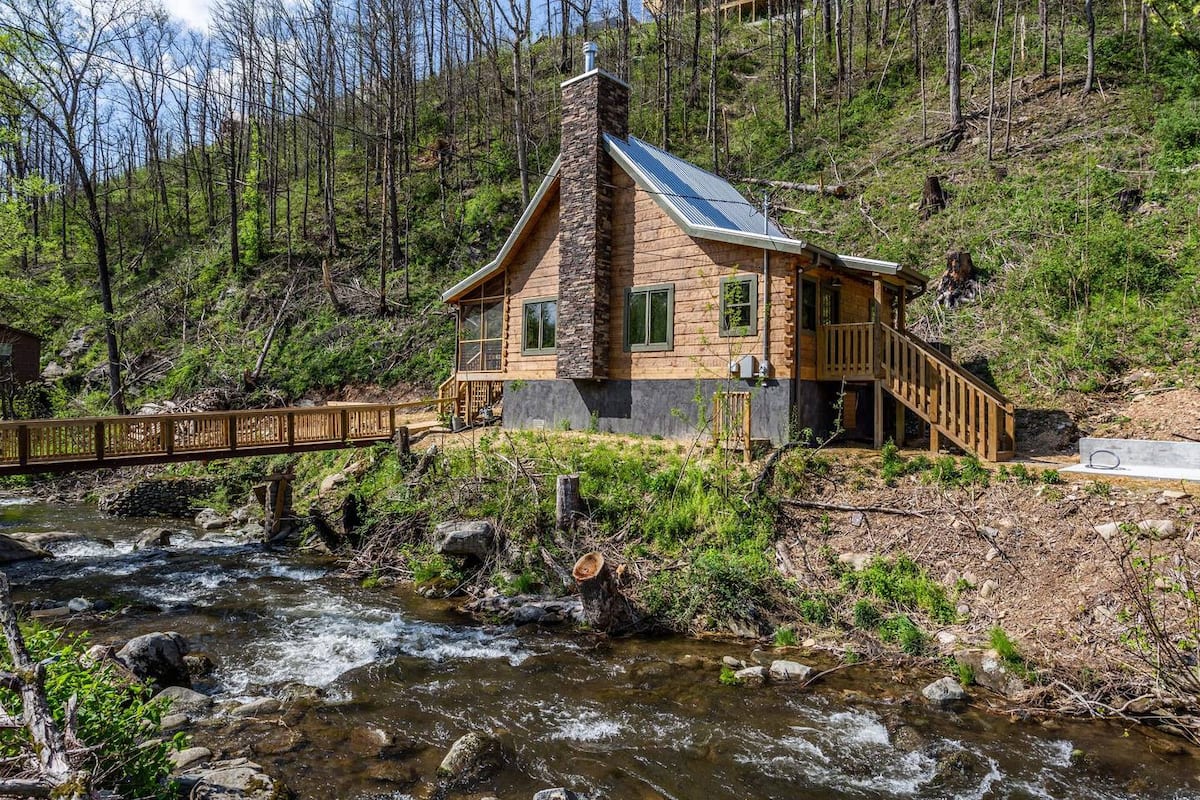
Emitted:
<point x="833" y="189"/>
<point x="816" y="504"/>
<point x="768" y="469"/>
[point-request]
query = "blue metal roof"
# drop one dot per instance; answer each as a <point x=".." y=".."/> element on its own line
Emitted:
<point x="701" y="198"/>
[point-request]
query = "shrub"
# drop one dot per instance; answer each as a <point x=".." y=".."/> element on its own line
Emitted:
<point x="785" y="637"/>
<point x="903" y="585"/>
<point x="903" y="631"/>
<point x="118" y="720"/>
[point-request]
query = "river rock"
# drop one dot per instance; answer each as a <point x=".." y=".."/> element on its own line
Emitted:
<point x="959" y="773"/>
<point x="474" y="757"/>
<point x="173" y="722"/>
<point x="209" y="519"/>
<point x="944" y="692"/>
<point x="13" y="549"/>
<point x="79" y="605"/>
<point x="237" y="779"/>
<point x="154" y="537"/>
<point x="557" y="794"/>
<point x="301" y="694"/>
<point x="528" y="609"/>
<point x="50" y="539"/>
<point x="200" y="665"/>
<point x="751" y="676"/>
<point x="192" y="755"/>
<point x="733" y="663"/>
<point x="465" y="539"/>
<point x="783" y="670"/>
<point x="278" y="741"/>
<point x="261" y="706"/>
<point x="157" y="657"/>
<point x="991" y="672"/>
<point x="184" y="700"/>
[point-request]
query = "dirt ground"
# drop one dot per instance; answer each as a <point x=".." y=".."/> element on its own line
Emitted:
<point x="1036" y="565"/>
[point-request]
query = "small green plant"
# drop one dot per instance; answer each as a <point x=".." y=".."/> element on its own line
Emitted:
<point x="729" y="677"/>
<point x="852" y="657"/>
<point x="430" y="568"/>
<point x="118" y="721"/>
<point x="866" y="615"/>
<point x="1051" y="477"/>
<point x="1004" y="646"/>
<point x="901" y="584"/>
<point x="904" y="632"/>
<point x="523" y="582"/>
<point x="594" y="422"/>
<point x="785" y="637"/>
<point x="1098" y="489"/>
<point x="816" y="610"/>
<point x="965" y="672"/>
<point x="371" y="581"/>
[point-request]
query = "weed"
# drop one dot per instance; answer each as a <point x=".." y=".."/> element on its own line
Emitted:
<point x="866" y="615"/>
<point x="729" y="677"/>
<point x="903" y="585"/>
<point x="1098" y="489"/>
<point x="816" y="610"/>
<point x="965" y="672"/>
<point x="785" y="637"/>
<point x="903" y="631"/>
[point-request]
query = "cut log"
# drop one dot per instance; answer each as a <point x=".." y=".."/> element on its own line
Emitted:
<point x="933" y="197"/>
<point x="566" y="501"/>
<point x="1128" y="201"/>
<point x="604" y="607"/>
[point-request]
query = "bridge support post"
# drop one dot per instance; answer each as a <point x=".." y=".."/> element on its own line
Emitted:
<point x="276" y="498"/>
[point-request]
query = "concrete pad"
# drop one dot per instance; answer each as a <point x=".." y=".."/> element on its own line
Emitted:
<point x="1138" y="458"/>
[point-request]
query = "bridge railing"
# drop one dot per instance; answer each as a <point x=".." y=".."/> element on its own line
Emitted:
<point x="206" y="434"/>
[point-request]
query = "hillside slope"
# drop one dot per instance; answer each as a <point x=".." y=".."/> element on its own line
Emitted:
<point x="1076" y="294"/>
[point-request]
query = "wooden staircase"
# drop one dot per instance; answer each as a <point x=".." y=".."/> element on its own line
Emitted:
<point x="466" y="399"/>
<point x="955" y="403"/>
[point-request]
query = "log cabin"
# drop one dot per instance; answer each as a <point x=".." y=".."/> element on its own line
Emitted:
<point x="639" y="293"/>
<point x="20" y="355"/>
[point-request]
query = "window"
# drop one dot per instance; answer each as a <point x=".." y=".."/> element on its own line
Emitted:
<point x="649" y="312"/>
<point x="739" y="305"/>
<point x="808" y="305"/>
<point x="541" y="323"/>
<point x="831" y="305"/>
<point x="481" y="328"/>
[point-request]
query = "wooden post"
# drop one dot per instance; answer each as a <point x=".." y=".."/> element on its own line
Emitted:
<point x="344" y="421"/>
<point x="604" y="607"/>
<point x="901" y="309"/>
<point x="878" y="415"/>
<point x="22" y="444"/>
<point x="566" y="501"/>
<point x="899" y="424"/>
<point x="277" y="504"/>
<point x="291" y="429"/>
<point x="877" y="332"/>
<point x="231" y="431"/>
<point x="747" y="442"/>
<point x="168" y="435"/>
<point x="99" y="434"/>
<point x="403" y="440"/>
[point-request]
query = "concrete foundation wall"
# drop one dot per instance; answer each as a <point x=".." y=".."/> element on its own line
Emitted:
<point x="663" y="407"/>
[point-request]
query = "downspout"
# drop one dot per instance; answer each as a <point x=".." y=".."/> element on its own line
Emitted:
<point x="764" y="369"/>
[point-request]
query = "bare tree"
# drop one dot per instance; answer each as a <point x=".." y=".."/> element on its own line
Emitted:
<point x="1089" y="18"/>
<point x="954" y="63"/>
<point x="55" y="64"/>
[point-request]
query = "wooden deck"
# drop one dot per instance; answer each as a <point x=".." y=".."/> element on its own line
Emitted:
<point x="66" y="445"/>
<point x="955" y="403"/>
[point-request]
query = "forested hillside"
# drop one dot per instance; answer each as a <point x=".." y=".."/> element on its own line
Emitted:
<point x="271" y="208"/>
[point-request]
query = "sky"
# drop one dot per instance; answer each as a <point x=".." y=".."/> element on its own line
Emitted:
<point x="192" y="13"/>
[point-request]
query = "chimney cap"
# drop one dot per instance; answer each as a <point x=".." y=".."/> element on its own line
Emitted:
<point x="589" y="56"/>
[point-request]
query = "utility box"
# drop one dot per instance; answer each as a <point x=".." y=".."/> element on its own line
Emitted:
<point x="745" y="368"/>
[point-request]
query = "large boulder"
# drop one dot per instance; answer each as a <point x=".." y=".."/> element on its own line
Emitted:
<point x="157" y="657"/>
<point x="154" y="537"/>
<point x="185" y="701"/>
<point x="465" y="539"/>
<point x="784" y="670"/>
<point x="473" y="758"/>
<point x="50" y="539"/>
<point x="12" y="549"/>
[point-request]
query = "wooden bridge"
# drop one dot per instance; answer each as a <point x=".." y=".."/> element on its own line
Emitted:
<point x="65" y="445"/>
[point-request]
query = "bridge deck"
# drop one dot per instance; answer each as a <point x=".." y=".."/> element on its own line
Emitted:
<point x="64" y="445"/>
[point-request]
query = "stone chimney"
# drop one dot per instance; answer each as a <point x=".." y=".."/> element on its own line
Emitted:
<point x="593" y="104"/>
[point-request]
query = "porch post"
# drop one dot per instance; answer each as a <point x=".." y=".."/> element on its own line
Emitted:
<point x="901" y="309"/>
<point x="878" y="414"/>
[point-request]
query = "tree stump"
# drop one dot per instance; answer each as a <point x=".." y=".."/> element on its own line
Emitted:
<point x="933" y="198"/>
<point x="566" y="501"/>
<point x="604" y="607"/>
<point x="958" y="284"/>
<point x="1128" y="201"/>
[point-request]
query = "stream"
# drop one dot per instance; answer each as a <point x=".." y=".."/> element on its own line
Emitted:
<point x="623" y="720"/>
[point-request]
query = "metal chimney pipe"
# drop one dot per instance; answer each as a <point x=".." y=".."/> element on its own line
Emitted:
<point x="589" y="56"/>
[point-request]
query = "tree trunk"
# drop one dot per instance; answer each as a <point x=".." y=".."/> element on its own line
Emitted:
<point x="954" y="62"/>
<point x="1090" y="18"/>
<point x="604" y="607"/>
<point x="992" y="77"/>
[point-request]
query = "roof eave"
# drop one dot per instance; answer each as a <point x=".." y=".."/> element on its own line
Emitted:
<point x="531" y="212"/>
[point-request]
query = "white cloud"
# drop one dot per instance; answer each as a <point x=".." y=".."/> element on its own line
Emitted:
<point x="192" y="13"/>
